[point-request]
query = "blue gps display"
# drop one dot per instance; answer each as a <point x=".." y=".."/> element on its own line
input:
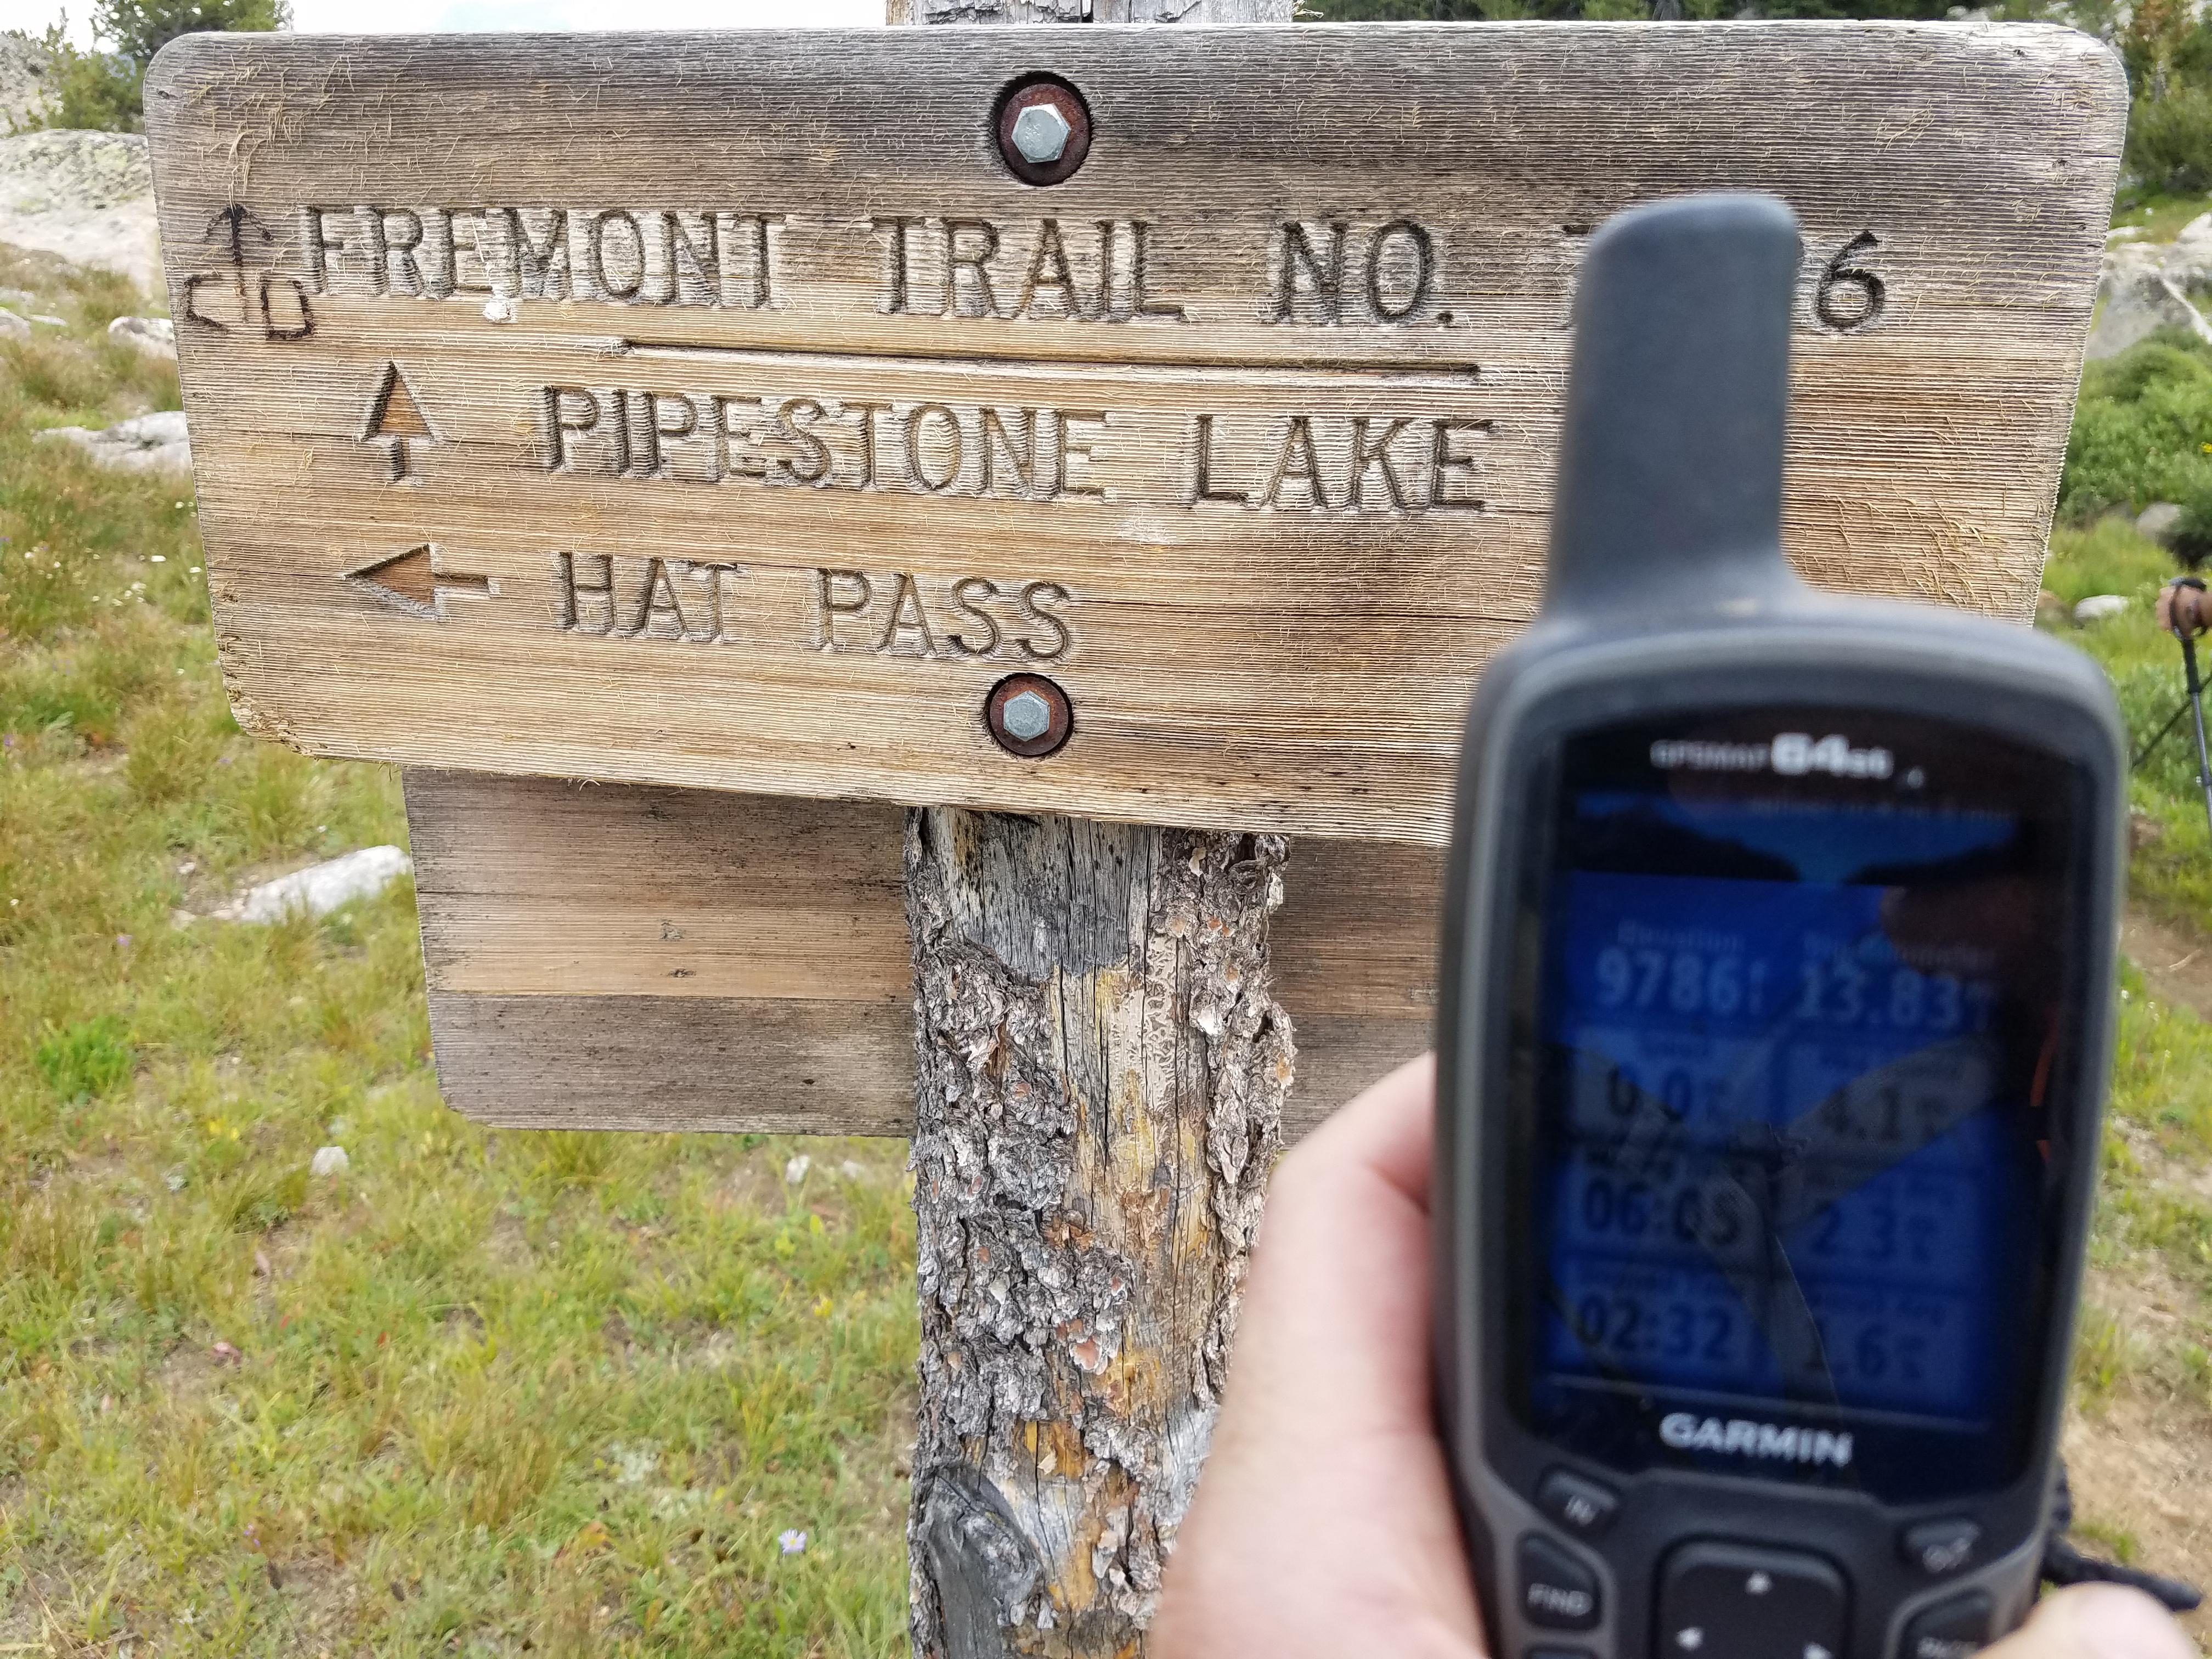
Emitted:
<point x="1785" y="1156"/>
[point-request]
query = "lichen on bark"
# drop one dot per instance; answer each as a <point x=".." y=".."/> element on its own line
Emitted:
<point x="1100" y="1072"/>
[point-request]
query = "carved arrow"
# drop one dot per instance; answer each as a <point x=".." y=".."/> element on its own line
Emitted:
<point x="394" y="417"/>
<point x="412" y="582"/>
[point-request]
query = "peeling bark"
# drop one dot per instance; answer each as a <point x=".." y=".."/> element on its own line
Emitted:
<point x="1101" y="1072"/>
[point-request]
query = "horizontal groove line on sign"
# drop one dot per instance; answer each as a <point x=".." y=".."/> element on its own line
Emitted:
<point x="1453" y="378"/>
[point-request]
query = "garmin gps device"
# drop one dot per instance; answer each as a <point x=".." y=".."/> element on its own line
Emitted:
<point x="1772" y="1036"/>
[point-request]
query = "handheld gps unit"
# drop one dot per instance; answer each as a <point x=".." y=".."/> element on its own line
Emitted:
<point x="1773" y="1028"/>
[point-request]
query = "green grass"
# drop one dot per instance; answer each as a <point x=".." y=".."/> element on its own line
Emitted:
<point x="2159" y="214"/>
<point x="488" y="1392"/>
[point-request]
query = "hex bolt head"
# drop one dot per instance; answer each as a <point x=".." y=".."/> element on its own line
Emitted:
<point x="1041" y="128"/>
<point x="1026" y="716"/>
<point x="1040" y="133"/>
<point x="1029" y="716"/>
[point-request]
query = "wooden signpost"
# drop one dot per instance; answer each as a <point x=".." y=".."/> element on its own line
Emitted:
<point x="1120" y="447"/>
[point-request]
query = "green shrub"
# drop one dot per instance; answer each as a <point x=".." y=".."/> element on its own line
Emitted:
<point x="87" y="1060"/>
<point x="2143" y="430"/>
<point x="2170" y="140"/>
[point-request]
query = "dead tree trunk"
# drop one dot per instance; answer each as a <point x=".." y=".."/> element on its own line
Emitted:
<point x="1100" y="1077"/>
<point x="1101" y="1068"/>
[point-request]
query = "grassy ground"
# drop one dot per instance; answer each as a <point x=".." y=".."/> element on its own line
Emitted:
<point x="2158" y="216"/>
<point x="486" y="1393"/>
<point x="2141" y="1441"/>
<point x="503" y="1393"/>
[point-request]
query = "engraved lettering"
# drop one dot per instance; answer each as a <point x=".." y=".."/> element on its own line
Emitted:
<point x="628" y="251"/>
<point x="1365" y="455"/>
<point x="541" y="263"/>
<point x="739" y="463"/>
<point x="713" y="576"/>
<point x="657" y="604"/>
<point x="907" y="616"/>
<point x="1140" y="275"/>
<point x="792" y="418"/>
<point x="1034" y="596"/>
<point x="1049" y="269"/>
<point x="1298" y="447"/>
<point x="1203" y="490"/>
<point x="1074" y="447"/>
<point x="978" y="291"/>
<point x="867" y="412"/>
<point x="915" y="453"/>
<point x="1022" y="461"/>
<point x="1398" y="243"/>
<point x="559" y="418"/>
<point x="573" y="589"/>
<point x="400" y="233"/>
<point x="658" y="404"/>
<point x="965" y="593"/>
<point x="693" y="261"/>
<point x="896" y="285"/>
<point x="1324" y="273"/>
<point x="828" y="606"/>
<point x="1444" y="460"/>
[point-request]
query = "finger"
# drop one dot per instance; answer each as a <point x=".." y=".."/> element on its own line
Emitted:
<point x="2097" y="1621"/>
<point x="1387" y="1130"/>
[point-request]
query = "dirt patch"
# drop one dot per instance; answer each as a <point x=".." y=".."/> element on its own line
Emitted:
<point x="2142" y="1468"/>
<point x="2176" y="960"/>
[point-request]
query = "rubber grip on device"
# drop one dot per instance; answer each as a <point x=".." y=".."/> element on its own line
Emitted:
<point x="1670" y="489"/>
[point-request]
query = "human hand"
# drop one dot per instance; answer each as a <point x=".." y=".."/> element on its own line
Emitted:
<point x="1324" y="1524"/>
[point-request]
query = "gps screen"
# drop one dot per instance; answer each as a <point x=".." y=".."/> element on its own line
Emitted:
<point x="1787" y="1156"/>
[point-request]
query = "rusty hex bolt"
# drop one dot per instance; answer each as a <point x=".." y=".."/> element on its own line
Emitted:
<point x="1043" y="130"/>
<point x="1028" y="715"/>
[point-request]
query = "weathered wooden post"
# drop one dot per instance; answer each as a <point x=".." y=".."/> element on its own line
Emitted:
<point x="982" y="567"/>
<point x="1100" y="1072"/>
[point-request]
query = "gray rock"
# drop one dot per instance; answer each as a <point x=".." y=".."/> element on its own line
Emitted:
<point x="2188" y="263"/>
<point x="85" y="196"/>
<point x="2098" y="606"/>
<point x="154" y="336"/>
<point x="13" y="327"/>
<point x="2161" y="521"/>
<point x="23" y="68"/>
<point x="151" y="443"/>
<point x="2139" y="300"/>
<point x="320" y="888"/>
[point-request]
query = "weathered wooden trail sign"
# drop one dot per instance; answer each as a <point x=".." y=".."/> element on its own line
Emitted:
<point x="722" y="412"/>
<point x="702" y="431"/>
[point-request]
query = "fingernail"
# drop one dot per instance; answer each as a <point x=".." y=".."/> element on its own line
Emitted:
<point x="2111" y="1622"/>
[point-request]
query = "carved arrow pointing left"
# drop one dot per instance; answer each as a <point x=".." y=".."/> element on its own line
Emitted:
<point x="412" y="581"/>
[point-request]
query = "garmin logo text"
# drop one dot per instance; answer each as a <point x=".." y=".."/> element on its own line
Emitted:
<point x="1792" y="754"/>
<point x="1687" y="1431"/>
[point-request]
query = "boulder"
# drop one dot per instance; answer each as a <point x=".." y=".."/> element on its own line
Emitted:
<point x="23" y="68"/>
<point x="2188" y="264"/>
<point x="154" y="336"/>
<point x="87" y="196"/>
<point x="320" y="888"/>
<point x="13" y="327"/>
<point x="2140" y="299"/>
<point x="2161" y="521"/>
<point x="151" y="443"/>
<point x="2098" y="606"/>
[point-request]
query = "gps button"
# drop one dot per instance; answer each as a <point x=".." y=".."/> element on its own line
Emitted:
<point x="1557" y="1591"/>
<point x="1937" y="1547"/>
<point x="1951" y="1629"/>
<point x="1721" y="1601"/>
<point x="1582" y="1505"/>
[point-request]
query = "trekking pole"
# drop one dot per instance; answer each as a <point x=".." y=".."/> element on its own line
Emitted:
<point x="2182" y="611"/>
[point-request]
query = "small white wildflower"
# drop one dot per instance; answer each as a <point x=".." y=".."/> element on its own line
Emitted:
<point x="792" y="1541"/>
<point x="159" y="558"/>
<point x="852" y="1170"/>
<point x="795" y="1171"/>
<point x="330" y="1161"/>
<point x="174" y="1180"/>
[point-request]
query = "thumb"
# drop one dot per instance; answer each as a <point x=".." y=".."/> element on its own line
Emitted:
<point x="2097" y="1621"/>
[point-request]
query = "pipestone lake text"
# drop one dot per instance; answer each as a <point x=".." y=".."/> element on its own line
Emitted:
<point x="1298" y="462"/>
